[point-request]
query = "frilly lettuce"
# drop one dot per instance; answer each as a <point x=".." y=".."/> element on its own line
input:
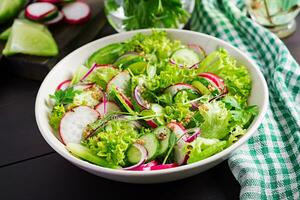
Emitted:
<point x="203" y="148"/>
<point x="56" y="115"/>
<point x="112" y="142"/>
<point x="215" y="120"/>
<point x="157" y="44"/>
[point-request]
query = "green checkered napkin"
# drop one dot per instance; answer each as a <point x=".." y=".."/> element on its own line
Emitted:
<point x="268" y="166"/>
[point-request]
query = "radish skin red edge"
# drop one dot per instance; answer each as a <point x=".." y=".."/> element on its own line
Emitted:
<point x="41" y="8"/>
<point x="77" y="12"/>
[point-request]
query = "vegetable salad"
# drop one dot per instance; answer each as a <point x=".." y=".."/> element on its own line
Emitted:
<point x="152" y="103"/>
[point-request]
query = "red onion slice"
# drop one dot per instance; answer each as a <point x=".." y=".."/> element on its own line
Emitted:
<point x="179" y="131"/>
<point x="196" y="132"/>
<point x="139" y="99"/>
<point x="147" y="166"/>
<point x="63" y="85"/>
<point x="165" y="166"/>
<point x="144" y="153"/>
<point x="94" y="67"/>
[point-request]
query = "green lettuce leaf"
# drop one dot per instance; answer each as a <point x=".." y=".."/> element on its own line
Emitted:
<point x="215" y="120"/>
<point x="56" y="115"/>
<point x="203" y="148"/>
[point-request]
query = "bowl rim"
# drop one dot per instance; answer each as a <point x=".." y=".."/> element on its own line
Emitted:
<point x="51" y="139"/>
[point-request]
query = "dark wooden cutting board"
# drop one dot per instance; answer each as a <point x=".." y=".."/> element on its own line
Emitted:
<point x="68" y="38"/>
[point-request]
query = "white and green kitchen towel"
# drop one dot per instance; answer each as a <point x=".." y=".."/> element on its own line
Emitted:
<point x="268" y="165"/>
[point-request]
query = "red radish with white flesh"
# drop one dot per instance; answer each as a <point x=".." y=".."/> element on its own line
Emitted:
<point x="139" y="99"/>
<point x="105" y="108"/>
<point x="125" y="98"/>
<point x="38" y="10"/>
<point x="63" y="85"/>
<point x="179" y="149"/>
<point x="143" y="152"/>
<point x="76" y="12"/>
<point x="120" y="81"/>
<point x="174" y="89"/>
<point x="195" y="133"/>
<point x="179" y="131"/>
<point x="215" y="79"/>
<point x="56" y="20"/>
<point x="73" y="123"/>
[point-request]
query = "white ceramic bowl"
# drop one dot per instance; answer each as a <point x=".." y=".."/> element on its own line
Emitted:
<point x="66" y="67"/>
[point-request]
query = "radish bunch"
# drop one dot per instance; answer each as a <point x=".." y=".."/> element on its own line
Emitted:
<point x="54" y="11"/>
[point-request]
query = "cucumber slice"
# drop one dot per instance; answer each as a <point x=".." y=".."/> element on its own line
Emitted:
<point x="138" y="67"/>
<point x="151" y="144"/>
<point x="106" y="55"/>
<point x="133" y="155"/>
<point x="163" y="135"/>
<point x="186" y="57"/>
<point x="126" y="59"/>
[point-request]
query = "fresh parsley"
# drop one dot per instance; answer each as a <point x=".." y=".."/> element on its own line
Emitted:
<point x="64" y="96"/>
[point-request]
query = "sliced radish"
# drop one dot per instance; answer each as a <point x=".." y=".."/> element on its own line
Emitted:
<point x="195" y="133"/>
<point x="125" y="98"/>
<point x="151" y="123"/>
<point x="121" y="81"/>
<point x="38" y="10"/>
<point x="179" y="131"/>
<point x="56" y="20"/>
<point x="63" y="85"/>
<point x="180" y="154"/>
<point x="139" y="99"/>
<point x="106" y="108"/>
<point x="76" y="12"/>
<point x="219" y="82"/>
<point x="165" y="166"/>
<point x="144" y="153"/>
<point x="74" y="122"/>
<point x="179" y="149"/>
<point x="174" y="89"/>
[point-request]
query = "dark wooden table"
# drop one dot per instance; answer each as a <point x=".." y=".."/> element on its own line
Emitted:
<point x="30" y="169"/>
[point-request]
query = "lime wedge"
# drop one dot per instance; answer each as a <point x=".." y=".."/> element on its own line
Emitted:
<point x="9" y="9"/>
<point x="30" y="38"/>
